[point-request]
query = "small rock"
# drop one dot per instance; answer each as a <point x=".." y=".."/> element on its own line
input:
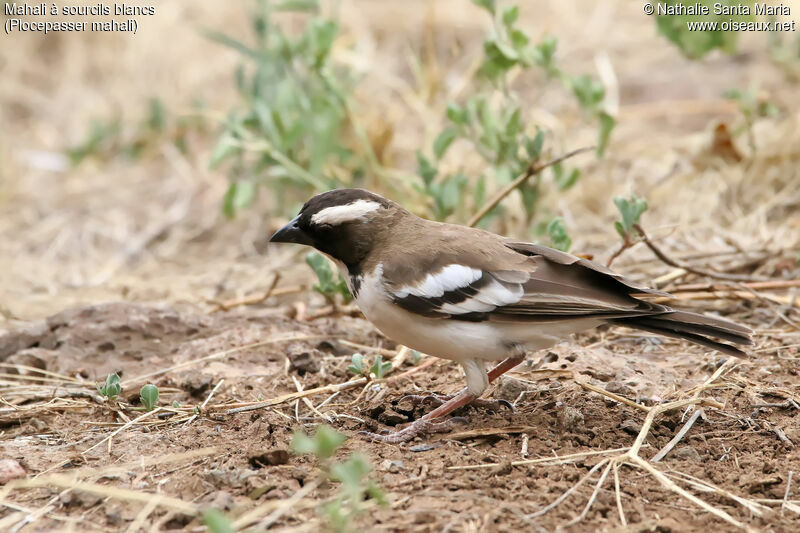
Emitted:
<point x="425" y="447"/>
<point x="630" y="426"/>
<point x="80" y="499"/>
<point x="511" y="388"/>
<point x="10" y="469"/>
<point x="571" y="419"/>
<point x="222" y="500"/>
<point x="33" y="358"/>
<point x="617" y="387"/>
<point x="687" y="453"/>
<point x="668" y="525"/>
<point x="270" y="458"/>
<point x="390" y="417"/>
<point x="303" y="359"/>
<point x="392" y="467"/>
<point x="113" y="515"/>
<point x="196" y="384"/>
<point x="228" y="478"/>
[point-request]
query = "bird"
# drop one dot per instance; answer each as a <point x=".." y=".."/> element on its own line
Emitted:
<point x="476" y="297"/>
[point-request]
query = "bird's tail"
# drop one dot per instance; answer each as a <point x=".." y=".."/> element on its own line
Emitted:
<point x="695" y="328"/>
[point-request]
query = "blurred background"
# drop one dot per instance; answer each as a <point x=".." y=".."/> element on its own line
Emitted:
<point x="152" y="166"/>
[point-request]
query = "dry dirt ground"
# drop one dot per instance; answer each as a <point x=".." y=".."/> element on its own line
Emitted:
<point x="116" y="265"/>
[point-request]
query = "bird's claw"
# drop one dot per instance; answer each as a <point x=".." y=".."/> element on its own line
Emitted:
<point x="439" y="399"/>
<point x="416" y="428"/>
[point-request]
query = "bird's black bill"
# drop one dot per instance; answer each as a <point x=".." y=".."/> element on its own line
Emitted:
<point x="291" y="232"/>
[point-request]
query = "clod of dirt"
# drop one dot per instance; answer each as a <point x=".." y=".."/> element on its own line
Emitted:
<point x="17" y="340"/>
<point x="392" y="467"/>
<point x="760" y="485"/>
<point x="303" y="359"/>
<point x="10" y="469"/>
<point x="228" y="478"/>
<point x="32" y="357"/>
<point x="334" y="347"/>
<point x="196" y="384"/>
<point x="80" y="499"/>
<point x="390" y="417"/>
<point x="510" y="389"/>
<point x="270" y="458"/>
<point x="687" y="453"/>
<point x="571" y="419"/>
<point x="617" y="387"/>
<point x="221" y="499"/>
<point x="666" y="525"/>
<point x="630" y="426"/>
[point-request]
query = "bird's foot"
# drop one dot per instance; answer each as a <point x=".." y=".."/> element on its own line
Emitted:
<point x="419" y="427"/>
<point x="440" y="399"/>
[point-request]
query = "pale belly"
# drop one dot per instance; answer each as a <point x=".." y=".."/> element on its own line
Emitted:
<point x="460" y="340"/>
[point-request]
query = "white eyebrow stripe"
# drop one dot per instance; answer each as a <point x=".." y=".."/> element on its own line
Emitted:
<point x="448" y="279"/>
<point x="339" y="214"/>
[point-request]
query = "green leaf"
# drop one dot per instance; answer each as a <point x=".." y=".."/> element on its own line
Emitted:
<point x="358" y="364"/>
<point x="544" y="54"/>
<point x="510" y="15"/>
<point x="607" y="124"/>
<point x="565" y="181"/>
<point x="351" y="472"/>
<point x="240" y="194"/>
<point x="557" y="231"/>
<point x="217" y="522"/>
<point x="111" y="388"/>
<point x="488" y="5"/>
<point x="149" y="396"/>
<point x="693" y="40"/>
<point x="631" y="211"/>
<point x="379" y="368"/>
<point x="533" y="146"/>
<point x="297" y="5"/>
<point x="323" y="445"/>
<point x="500" y="54"/>
<point x="425" y="169"/>
<point x="322" y="33"/>
<point x="325" y="275"/>
<point x="443" y="141"/>
<point x="225" y="147"/>
<point x="457" y="114"/>
<point x="588" y="91"/>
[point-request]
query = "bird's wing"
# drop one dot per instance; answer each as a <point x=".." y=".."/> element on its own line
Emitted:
<point x="548" y="285"/>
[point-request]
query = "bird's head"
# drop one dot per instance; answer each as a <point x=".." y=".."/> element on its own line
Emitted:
<point x="342" y="223"/>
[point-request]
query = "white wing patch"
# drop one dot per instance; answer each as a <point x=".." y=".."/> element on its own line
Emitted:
<point x="339" y="214"/>
<point x="450" y="278"/>
<point x="488" y="298"/>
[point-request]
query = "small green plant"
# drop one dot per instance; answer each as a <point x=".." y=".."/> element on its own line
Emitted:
<point x="697" y="35"/>
<point x="294" y="130"/>
<point x="492" y="120"/>
<point x="217" y="522"/>
<point x="149" y="396"/>
<point x="111" y="388"/>
<point x="751" y="106"/>
<point x="109" y="137"/>
<point x="351" y="474"/>
<point x="630" y="210"/>
<point x="326" y="285"/>
<point x="558" y="235"/>
<point x="360" y="367"/>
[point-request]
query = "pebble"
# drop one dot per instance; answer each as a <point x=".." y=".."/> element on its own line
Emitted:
<point x="10" y="469"/>
<point x="630" y="426"/>
<point x="510" y="389"/>
<point x="571" y="419"/>
<point x="687" y="453"/>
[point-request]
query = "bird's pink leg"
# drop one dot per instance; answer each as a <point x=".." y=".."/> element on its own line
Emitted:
<point x="428" y="423"/>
